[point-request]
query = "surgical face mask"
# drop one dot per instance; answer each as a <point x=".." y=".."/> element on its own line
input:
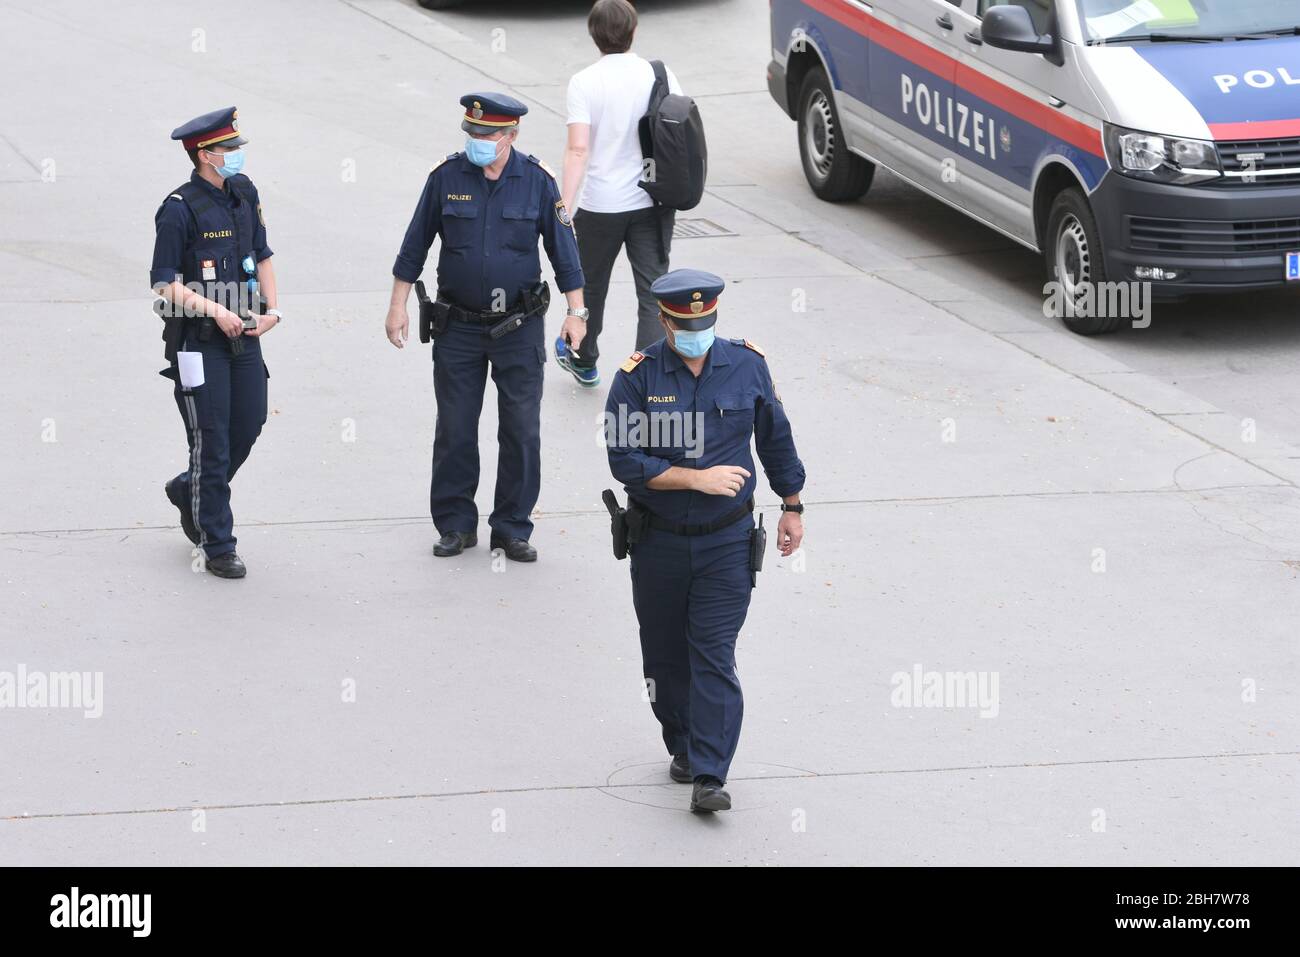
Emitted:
<point x="233" y="162"/>
<point x="692" y="345"/>
<point x="481" y="152"/>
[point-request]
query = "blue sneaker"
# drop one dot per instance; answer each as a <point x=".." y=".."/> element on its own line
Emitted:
<point x="587" y="377"/>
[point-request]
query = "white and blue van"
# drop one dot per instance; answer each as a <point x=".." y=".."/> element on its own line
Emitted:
<point x="1127" y="140"/>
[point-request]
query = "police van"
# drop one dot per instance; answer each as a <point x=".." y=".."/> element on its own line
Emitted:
<point x="1126" y="140"/>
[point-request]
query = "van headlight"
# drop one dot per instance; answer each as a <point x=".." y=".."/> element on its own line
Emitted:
<point x="1164" y="159"/>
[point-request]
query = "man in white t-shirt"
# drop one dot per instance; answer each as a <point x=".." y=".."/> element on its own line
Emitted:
<point x="605" y="104"/>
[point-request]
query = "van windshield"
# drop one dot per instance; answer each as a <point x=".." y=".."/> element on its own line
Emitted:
<point x="1154" y="20"/>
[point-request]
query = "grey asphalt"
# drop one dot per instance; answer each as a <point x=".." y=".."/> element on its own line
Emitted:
<point x="1090" y="521"/>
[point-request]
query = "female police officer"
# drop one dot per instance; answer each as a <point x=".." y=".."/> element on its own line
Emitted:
<point x="210" y="262"/>
<point x="689" y="475"/>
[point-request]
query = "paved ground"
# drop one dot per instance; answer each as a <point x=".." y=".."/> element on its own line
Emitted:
<point x="1081" y="520"/>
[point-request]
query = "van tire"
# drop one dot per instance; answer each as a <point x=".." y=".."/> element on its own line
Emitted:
<point x="1072" y="244"/>
<point x="834" y="173"/>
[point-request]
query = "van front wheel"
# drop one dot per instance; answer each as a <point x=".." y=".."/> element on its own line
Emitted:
<point x="835" y="174"/>
<point x="1073" y="255"/>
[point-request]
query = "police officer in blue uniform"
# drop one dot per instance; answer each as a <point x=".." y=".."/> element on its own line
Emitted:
<point x="212" y="272"/>
<point x="489" y="204"/>
<point x="689" y="479"/>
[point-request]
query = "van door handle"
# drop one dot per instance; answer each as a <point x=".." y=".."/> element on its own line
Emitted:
<point x="944" y="21"/>
<point x="974" y="37"/>
<point x="864" y="7"/>
<point x="1056" y="101"/>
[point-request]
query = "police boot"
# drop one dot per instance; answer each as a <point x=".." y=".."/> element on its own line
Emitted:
<point x="453" y="543"/>
<point x="679" y="769"/>
<point x="173" y="491"/>
<point x="516" y="549"/>
<point x="708" y="795"/>
<point x="228" y="565"/>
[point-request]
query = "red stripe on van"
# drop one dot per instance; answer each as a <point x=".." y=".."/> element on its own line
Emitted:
<point x="1260" y="130"/>
<point x="1072" y="131"/>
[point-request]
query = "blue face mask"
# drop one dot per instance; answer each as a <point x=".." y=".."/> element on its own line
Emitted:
<point x="481" y="152"/>
<point x="233" y="162"/>
<point x="692" y="345"/>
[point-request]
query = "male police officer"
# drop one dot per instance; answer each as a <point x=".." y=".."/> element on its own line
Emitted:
<point x="212" y="269"/>
<point x="489" y="204"/>
<point x="688" y="476"/>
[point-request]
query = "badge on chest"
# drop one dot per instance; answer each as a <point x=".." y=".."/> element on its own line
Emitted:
<point x="209" y="270"/>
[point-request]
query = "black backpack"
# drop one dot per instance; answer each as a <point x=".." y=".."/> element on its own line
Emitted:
<point x="672" y="138"/>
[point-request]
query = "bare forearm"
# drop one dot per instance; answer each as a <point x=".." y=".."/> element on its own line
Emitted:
<point x="191" y="303"/>
<point x="575" y="168"/>
<point x="401" y="293"/>
<point x="266" y="282"/>
<point x="574" y="298"/>
<point x="674" y="478"/>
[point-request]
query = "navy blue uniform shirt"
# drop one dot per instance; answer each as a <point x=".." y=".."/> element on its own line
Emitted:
<point x="177" y="233"/>
<point x="711" y="421"/>
<point x="489" y="232"/>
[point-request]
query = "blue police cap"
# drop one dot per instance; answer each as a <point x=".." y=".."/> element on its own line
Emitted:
<point x="489" y="112"/>
<point x="689" y="297"/>
<point x="218" y="128"/>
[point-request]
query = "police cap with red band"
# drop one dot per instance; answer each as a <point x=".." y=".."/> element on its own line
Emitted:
<point x="218" y="128"/>
<point x="489" y="112"/>
<point x="689" y="297"/>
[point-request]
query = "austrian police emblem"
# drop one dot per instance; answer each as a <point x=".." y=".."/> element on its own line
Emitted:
<point x="562" y="213"/>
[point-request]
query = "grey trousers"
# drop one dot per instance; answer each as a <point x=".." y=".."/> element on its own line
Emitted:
<point x="648" y="236"/>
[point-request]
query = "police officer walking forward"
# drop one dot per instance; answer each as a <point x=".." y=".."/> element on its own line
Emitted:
<point x="489" y="204"/>
<point x="212" y="271"/>
<point x="679" y="421"/>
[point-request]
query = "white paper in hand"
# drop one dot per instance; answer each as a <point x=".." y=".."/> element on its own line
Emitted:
<point x="191" y="368"/>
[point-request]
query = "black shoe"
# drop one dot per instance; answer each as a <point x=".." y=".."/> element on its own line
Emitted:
<point x="453" y="543"/>
<point x="516" y="549"/>
<point x="173" y="491"/>
<point x="708" y="795"/>
<point x="679" y="769"/>
<point x="228" y="565"/>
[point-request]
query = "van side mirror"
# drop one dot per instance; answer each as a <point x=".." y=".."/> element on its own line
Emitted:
<point x="1009" y="27"/>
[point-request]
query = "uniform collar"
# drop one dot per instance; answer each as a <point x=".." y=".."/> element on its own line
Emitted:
<point x="223" y="193"/>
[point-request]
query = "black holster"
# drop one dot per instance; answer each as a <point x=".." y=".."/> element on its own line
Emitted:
<point x="173" y="327"/>
<point x="625" y="524"/>
<point x="757" y="547"/>
<point x="434" y="314"/>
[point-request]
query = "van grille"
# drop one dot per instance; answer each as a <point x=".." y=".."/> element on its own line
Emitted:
<point x="1269" y="162"/>
<point x="1214" y="237"/>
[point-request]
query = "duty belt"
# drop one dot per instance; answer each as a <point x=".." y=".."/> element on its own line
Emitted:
<point x="651" y="520"/>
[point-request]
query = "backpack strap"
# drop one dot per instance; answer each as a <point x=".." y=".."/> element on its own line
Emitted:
<point x="657" y="93"/>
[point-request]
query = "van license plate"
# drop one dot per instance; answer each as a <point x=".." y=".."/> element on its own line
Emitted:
<point x="1293" y="267"/>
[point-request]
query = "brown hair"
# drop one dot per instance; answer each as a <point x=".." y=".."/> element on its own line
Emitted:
<point x="611" y="24"/>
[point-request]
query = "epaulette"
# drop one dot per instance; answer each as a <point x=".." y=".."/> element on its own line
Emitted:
<point x="449" y="156"/>
<point x="748" y="345"/>
<point x="633" y="361"/>
<point x="177" y="196"/>
<point x="542" y="163"/>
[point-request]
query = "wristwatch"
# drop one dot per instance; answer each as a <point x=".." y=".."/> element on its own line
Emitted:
<point x="797" y="508"/>
<point x="581" y="312"/>
<point x="279" y="316"/>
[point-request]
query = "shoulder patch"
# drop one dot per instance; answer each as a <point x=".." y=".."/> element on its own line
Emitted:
<point x="751" y="346"/>
<point x="633" y="361"/>
<point x="538" y="161"/>
<point x="447" y="158"/>
<point x="177" y="196"/>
